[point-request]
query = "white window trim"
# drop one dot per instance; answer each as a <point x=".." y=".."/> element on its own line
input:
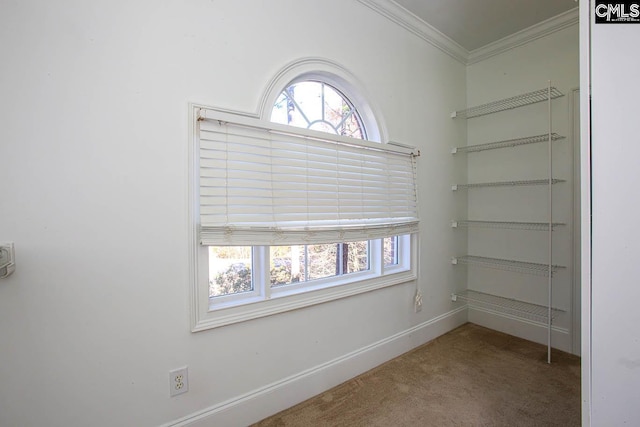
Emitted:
<point x="203" y="317"/>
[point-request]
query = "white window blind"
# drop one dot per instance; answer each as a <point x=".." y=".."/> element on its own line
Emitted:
<point x="269" y="184"/>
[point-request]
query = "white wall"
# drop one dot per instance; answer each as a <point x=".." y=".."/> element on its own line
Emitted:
<point x="93" y="191"/>
<point x="615" y="246"/>
<point x="523" y="69"/>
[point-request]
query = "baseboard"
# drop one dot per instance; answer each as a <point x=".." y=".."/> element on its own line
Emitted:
<point x="268" y="400"/>
<point x="527" y="329"/>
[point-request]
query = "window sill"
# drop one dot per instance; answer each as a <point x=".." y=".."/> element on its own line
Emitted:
<point x="221" y="316"/>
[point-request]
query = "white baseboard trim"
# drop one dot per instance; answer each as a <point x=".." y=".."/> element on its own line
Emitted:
<point x="522" y="328"/>
<point x="260" y="403"/>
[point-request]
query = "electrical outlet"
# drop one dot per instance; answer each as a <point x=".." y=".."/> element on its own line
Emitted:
<point x="418" y="302"/>
<point x="178" y="381"/>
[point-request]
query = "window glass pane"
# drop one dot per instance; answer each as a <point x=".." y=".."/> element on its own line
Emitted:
<point x="336" y="109"/>
<point x="352" y="127"/>
<point x="280" y="110"/>
<point x="390" y="251"/>
<point x="229" y="270"/>
<point x="357" y="256"/>
<point x="287" y="265"/>
<point x="308" y="98"/>
<point x="323" y="261"/>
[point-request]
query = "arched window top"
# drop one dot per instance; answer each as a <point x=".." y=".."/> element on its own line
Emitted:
<point x="335" y="78"/>
<point x="317" y="105"/>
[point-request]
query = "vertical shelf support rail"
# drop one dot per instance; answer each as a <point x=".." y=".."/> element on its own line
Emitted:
<point x="550" y="232"/>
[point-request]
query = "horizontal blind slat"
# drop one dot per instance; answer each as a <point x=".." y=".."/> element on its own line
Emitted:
<point x="266" y="187"/>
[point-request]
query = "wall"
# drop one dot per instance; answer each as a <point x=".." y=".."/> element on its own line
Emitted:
<point x="523" y="69"/>
<point x="614" y="366"/>
<point x="93" y="161"/>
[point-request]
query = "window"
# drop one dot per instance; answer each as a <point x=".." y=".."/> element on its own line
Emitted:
<point x="317" y="105"/>
<point x="290" y="218"/>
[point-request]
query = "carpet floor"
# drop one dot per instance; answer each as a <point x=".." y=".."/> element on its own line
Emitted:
<point x="471" y="376"/>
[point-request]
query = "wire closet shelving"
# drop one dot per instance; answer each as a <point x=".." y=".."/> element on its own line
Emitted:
<point x="507" y="265"/>
<point x="513" y="307"/>
<point x="495" y="303"/>
<point x="517" y="101"/>
<point x="522" y="183"/>
<point x="507" y="225"/>
<point x="509" y="143"/>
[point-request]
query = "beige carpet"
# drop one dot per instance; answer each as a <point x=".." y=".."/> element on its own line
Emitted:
<point x="471" y="376"/>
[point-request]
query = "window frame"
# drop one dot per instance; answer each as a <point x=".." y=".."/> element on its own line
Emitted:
<point x="347" y="84"/>
<point x="204" y="317"/>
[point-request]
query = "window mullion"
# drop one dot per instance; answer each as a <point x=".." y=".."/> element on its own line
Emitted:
<point x="380" y="256"/>
<point x="323" y="114"/>
<point x="306" y="263"/>
<point x="261" y="277"/>
<point x="406" y="249"/>
<point x="376" y="256"/>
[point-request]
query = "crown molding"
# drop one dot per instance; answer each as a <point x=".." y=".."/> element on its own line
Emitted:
<point x="401" y="16"/>
<point x="544" y="28"/>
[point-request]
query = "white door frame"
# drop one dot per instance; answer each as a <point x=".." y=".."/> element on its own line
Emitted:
<point x="574" y="134"/>
<point x="585" y="205"/>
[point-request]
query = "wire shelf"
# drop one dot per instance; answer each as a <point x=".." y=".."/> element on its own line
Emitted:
<point x="508" y="103"/>
<point x="505" y="184"/>
<point x="506" y="143"/>
<point x="510" y="306"/>
<point x="507" y="265"/>
<point x="509" y="225"/>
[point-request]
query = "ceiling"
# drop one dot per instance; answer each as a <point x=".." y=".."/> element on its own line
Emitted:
<point x="475" y="23"/>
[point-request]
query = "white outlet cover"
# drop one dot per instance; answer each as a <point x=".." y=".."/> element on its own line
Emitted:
<point x="178" y="381"/>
